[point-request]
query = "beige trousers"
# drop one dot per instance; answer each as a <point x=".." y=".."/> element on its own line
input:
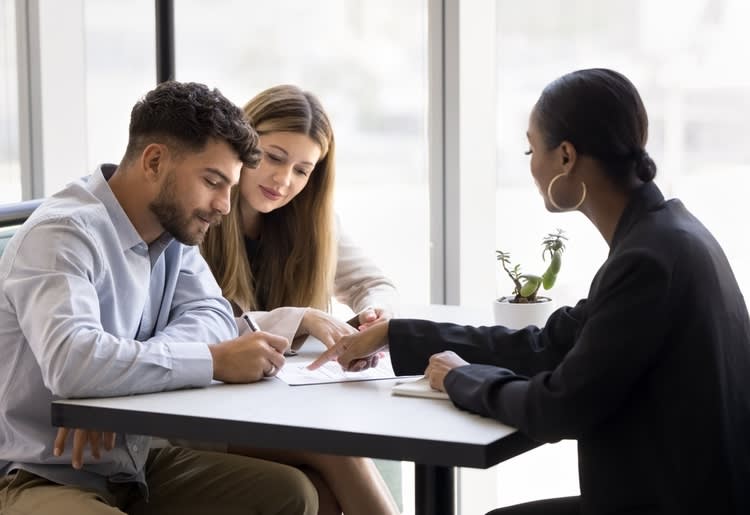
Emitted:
<point x="181" y="482"/>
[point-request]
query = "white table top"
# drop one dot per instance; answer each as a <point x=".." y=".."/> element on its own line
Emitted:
<point x="357" y="418"/>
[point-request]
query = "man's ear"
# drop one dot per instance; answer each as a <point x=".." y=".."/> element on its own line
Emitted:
<point x="153" y="161"/>
<point x="568" y="156"/>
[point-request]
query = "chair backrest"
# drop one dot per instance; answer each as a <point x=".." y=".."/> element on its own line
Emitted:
<point x="5" y="235"/>
<point x="11" y="216"/>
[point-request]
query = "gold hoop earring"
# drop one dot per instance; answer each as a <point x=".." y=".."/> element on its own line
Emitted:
<point x="552" y="199"/>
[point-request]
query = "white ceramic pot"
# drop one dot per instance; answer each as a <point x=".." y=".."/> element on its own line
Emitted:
<point x="517" y="316"/>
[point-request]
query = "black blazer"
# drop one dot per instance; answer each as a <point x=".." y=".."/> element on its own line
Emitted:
<point x="651" y="373"/>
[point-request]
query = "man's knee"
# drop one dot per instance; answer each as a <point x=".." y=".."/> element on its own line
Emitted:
<point x="25" y="493"/>
<point x="298" y="495"/>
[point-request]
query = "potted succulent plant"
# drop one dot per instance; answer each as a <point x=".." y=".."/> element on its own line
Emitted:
<point x="525" y="306"/>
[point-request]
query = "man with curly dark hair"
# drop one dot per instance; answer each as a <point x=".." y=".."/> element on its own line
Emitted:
<point x="104" y="293"/>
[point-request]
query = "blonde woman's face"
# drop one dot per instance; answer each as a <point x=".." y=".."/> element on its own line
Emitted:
<point x="286" y="165"/>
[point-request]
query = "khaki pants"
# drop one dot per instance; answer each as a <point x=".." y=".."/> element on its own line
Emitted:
<point x="181" y="482"/>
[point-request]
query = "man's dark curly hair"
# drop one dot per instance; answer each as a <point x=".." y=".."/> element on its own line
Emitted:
<point x="186" y="115"/>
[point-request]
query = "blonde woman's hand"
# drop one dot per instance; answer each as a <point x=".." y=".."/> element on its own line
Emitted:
<point x="324" y="327"/>
<point x="357" y="351"/>
<point x="439" y="366"/>
<point x="371" y="316"/>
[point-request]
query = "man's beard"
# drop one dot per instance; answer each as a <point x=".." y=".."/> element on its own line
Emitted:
<point x="174" y="219"/>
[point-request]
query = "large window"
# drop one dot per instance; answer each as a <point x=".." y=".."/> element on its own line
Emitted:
<point x="683" y="57"/>
<point x="120" y="67"/>
<point x="10" y="168"/>
<point x="369" y="68"/>
<point x="686" y="58"/>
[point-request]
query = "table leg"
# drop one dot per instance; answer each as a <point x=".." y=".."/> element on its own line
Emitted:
<point x="434" y="490"/>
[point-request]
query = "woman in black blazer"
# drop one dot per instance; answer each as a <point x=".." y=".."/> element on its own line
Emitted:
<point x="651" y="372"/>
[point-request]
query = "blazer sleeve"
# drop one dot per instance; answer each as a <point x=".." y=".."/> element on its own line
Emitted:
<point x="358" y="282"/>
<point x="526" y="351"/>
<point x="623" y="334"/>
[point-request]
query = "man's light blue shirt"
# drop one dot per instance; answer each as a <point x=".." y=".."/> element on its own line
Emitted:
<point x="88" y="309"/>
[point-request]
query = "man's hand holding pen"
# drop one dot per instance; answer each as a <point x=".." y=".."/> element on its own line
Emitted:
<point x="250" y="357"/>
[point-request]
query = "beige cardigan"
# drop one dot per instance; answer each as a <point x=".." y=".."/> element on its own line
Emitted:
<point x="358" y="283"/>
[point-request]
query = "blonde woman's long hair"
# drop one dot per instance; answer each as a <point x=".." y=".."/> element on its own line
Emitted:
<point x="295" y="264"/>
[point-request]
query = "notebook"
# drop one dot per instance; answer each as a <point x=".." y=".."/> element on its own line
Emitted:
<point x="417" y="387"/>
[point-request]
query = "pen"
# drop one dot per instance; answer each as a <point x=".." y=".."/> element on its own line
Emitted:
<point x="250" y="322"/>
<point x="254" y="327"/>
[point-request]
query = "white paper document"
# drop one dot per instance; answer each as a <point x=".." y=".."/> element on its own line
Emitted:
<point x="417" y="387"/>
<point x="295" y="371"/>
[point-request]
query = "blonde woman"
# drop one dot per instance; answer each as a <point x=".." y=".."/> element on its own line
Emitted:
<point x="280" y="254"/>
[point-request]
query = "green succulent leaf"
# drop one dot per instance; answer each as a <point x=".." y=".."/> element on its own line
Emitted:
<point x="530" y="286"/>
<point x="550" y="275"/>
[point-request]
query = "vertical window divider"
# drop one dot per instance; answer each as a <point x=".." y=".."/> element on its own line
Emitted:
<point x="29" y="99"/>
